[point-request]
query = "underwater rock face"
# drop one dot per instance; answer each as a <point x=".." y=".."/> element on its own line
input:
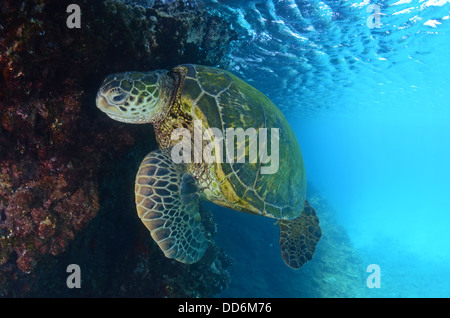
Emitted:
<point x="56" y="148"/>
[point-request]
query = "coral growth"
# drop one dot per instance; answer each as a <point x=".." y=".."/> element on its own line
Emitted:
<point x="54" y="144"/>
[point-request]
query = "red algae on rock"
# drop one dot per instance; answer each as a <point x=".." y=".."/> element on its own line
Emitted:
<point x="53" y="142"/>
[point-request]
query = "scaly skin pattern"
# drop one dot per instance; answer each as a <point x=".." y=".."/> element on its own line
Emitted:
<point x="188" y="93"/>
<point x="132" y="97"/>
<point x="188" y="106"/>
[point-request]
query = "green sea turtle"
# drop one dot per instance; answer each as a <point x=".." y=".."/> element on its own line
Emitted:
<point x="168" y="190"/>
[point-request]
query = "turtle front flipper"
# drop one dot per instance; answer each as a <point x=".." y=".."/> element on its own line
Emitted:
<point x="299" y="237"/>
<point x="167" y="202"/>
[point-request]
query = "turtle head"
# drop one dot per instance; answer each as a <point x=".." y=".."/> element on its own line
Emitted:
<point x="135" y="97"/>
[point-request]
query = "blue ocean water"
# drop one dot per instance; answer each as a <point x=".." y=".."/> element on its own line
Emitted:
<point x="370" y="108"/>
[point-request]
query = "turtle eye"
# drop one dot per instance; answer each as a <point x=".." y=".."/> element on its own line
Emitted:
<point x="118" y="96"/>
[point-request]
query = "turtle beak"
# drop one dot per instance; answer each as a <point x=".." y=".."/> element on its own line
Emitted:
<point x="101" y="102"/>
<point x="112" y="111"/>
<point x="105" y="106"/>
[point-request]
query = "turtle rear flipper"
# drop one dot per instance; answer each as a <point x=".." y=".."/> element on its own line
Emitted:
<point x="299" y="237"/>
<point x="167" y="202"/>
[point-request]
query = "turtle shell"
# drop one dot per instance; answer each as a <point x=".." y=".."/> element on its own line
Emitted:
<point x="225" y="101"/>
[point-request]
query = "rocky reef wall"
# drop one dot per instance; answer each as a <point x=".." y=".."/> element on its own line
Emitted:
<point x="66" y="170"/>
